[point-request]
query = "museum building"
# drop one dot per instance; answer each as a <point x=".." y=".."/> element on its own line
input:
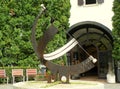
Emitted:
<point x="91" y="25"/>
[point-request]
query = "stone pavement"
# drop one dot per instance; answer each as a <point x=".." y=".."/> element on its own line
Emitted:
<point x="112" y="86"/>
<point x="6" y="86"/>
<point x="74" y="84"/>
<point x="107" y="86"/>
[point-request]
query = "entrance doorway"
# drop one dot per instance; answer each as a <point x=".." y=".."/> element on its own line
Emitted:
<point x="92" y="50"/>
<point x="94" y="39"/>
<point x="78" y="56"/>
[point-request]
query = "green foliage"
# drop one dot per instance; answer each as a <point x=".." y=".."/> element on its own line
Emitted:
<point x="16" y="19"/>
<point x="116" y="29"/>
<point x="59" y="10"/>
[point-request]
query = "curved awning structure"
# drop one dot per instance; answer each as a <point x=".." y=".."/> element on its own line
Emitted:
<point x="89" y="32"/>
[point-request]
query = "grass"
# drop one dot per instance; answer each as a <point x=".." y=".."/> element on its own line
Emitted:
<point x="51" y="84"/>
<point x="84" y="83"/>
<point x="44" y="84"/>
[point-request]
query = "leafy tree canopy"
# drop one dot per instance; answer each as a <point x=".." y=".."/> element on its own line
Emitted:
<point x="16" y="19"/>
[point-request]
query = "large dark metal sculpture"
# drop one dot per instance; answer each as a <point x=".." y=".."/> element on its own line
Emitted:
<point x="57" y="69"/>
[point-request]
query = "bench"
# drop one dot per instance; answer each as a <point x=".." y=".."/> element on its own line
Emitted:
<point x="30" y="73"/>
<point x="3" y="74"/>
<point x="17" y="73"/>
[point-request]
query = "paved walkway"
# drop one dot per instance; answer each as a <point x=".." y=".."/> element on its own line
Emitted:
<point x="107" y="86"/>
<point x="6" y="86"/>
<point x="112" y="86"/>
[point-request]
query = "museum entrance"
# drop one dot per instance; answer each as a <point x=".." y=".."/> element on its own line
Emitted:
<point x="92" y="50"/>
<point x="78" y="56"/>
<point x="94" y="39"/>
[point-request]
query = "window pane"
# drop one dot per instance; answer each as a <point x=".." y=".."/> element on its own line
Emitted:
<point x="90" y="1"/>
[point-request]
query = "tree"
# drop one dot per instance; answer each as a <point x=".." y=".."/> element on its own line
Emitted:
<point x="116" y="29"/>
<point x="59" y="11"/>
<point x="16" y="19"/>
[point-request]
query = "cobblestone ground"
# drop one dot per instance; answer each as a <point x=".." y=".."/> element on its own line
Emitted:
<point x="107" y="86"/>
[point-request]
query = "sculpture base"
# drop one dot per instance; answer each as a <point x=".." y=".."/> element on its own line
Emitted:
<point x="74" y="84"/>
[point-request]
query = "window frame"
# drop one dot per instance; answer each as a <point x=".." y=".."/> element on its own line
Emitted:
<point x="83" y="3"/>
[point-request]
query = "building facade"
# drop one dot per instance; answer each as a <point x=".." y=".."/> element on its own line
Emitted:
<point x="99" y="11"/>
<point x="91" y="25"/>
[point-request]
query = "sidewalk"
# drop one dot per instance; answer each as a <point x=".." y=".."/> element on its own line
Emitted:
<point x="6" y="86"/>
<point x="107" y="86"/>
<point x="112" y="86"/>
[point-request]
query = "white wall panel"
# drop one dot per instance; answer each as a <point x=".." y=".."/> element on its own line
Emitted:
<point x="101" y="13"/>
